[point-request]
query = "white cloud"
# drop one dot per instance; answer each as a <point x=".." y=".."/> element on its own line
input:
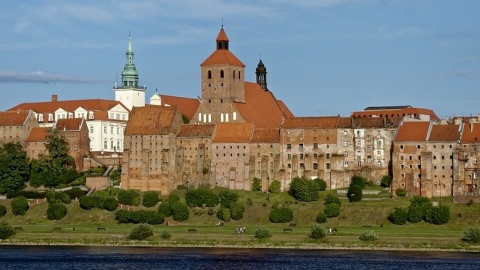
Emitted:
<point x="39" y="77"/>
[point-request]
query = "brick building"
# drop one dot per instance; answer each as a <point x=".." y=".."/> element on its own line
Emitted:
<point x="15" y="126"/>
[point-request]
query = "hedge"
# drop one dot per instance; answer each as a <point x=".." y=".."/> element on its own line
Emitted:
<point x="281" y="215"/>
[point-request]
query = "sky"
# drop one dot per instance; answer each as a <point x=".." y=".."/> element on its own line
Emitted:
<point x="323" y="57"/>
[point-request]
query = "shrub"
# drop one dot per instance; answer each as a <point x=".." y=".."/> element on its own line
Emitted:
<point x="369" y="236"/>
<point x="471" y="235"/>
<point x="129" y="197"/>
<point x="386" y="181"/>
<point x="420" y="201"/>
<point x="123" y="216"/>
<point x="180" y="211"/>
<point x="56" y="211"/>
<point x="398" y="216"/>
<point x="166" y="234"/>
<point x="354" y="193"/>
<point x="400" y="192"/>
<point x="227" y="197"/>
<point x="281" y="215"/>
<point x="332" y="210"/>
<point x="262" y="233"/>
<point x="3" y="210"/>
<point x="201" y="196"/>
<point x="90" y="202"/>
<point x="141" y="232"/>
<point x="75" y="193"/>
<point x="358" y="181"/>
<point x="63" y="197"/>
<point x="110" y="204"/>
<point x="150" y="198"/>
<point x="236" y="210"/>
<point x="6" y="230"/>
<point x="173" y="197"/>
<point x="165" y="209"/>
<point x="440" y="215"/>
<point x="50" y="196"/>
<point x="332" y="198"/>
<point x="211" y="211"/>
<point x="26" y="193"/>
<point x="275" y="186"/>
<point x="319" y="184"/>
<point x="317" y="231"/>
<point x="256" y="184"/>
<point x="303" y="190"/>
<point x="321" y="218"/>
<point x="182" y="187"/>
<point x="224" y="214"/>
<point x="415" y="214"/>
<point x="19" y="206"/>
<point x="141" y="216"/>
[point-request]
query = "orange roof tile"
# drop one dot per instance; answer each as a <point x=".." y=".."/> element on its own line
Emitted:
<point x="344" y="122"/>
<point x="401" y="111"/>
<point x="222" y="57"/>
<point x="312" y="122"/>
<point x="69" y="124"/>
<point x="69" y="105"/>
<point x="266" y="135"/>
<point x="285" y="109"/>
<point x="470" y="133"/>
<point x="187" y="106"/>
<point x="16" y="118"/>
<point x="413" y="132"/>
<point x="222" y="36"/>
<point x="444" y="133"/>
<point x="38" y="134"/>
<point x="233" y="133"/>
<point x="150" y="120"/>
<point x="196" y="131"/>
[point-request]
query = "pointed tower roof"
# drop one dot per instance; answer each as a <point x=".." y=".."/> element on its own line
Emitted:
<point x="222" y="55"/>
<point x="129" y="74"/>
<point x="222" y="36"/>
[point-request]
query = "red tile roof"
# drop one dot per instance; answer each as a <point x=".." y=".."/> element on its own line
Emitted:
<point x="150" y="120"/>
<point x="16" y="118"/>
<point x="285" y="109"/>
<point x="312" y="122"/>
<point x="69" y="105"/>
<point x="69" y="124"/>
<point x="470" y="133"/>
<point x="413" y="132"/>
<point x="444" y="133"/>
<point x="222" y="57"/>
<point x="38" y="134"/>
<point x="222" y="36"/>
<point x="196" y="131"/>
<point x="233" y="133"/>
<point x="401" y="111"/>
<point x="266" y="135"/>
<point x="187" y="106"/>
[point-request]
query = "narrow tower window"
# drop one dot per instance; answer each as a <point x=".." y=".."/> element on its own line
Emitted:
<point x="209" y="74"/>
<point x="221" y="73"/>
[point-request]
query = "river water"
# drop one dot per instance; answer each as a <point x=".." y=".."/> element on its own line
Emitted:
<point x="140" y="258"/>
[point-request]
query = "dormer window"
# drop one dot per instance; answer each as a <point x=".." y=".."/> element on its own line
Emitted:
<point x="91" y="115"/>
<point x="40" y="117"/>
<point x="50" y="117"/>
<point x="70" y="115"/>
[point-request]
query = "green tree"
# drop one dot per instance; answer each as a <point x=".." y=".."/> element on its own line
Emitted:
<point x="236" y="210"/>
<point x="318" y="231"/>
<point x="56" y="210"/>
<point x="19" y="206"/>
<point x="201" y="196"/>
<point x="332" y="198"/>
<point x="6" y="230"/>
<point x="256" y="184"/>
<point x="14" y="168"/>
<point x="386" y="181"/>
<point x="275" y="186"/>
<point x="303" y="189"/>
<point x="359" y="181"/>
<point x="354" y="193"/>
<point x="281" y="215"/>
<point x="319" y="184"/>
<point x="141" y="232"/>
<point x="150" y="198"/>
<point x="227" y="197"/>
<point x="332" y="210"/>
<point x="180" y="211"/>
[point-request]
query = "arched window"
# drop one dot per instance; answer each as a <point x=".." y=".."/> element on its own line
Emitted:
<point x="239" y="75"/>
<point x="209" y="74"/>
<point x="221" y="74"/>
<point x="234" y="74"/>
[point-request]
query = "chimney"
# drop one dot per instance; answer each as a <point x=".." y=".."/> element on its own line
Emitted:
<point x="54" y="98"/>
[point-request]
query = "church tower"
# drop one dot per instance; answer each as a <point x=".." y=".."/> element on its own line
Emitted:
<point x="261" y="73"/>
<point x="128" y="92"/>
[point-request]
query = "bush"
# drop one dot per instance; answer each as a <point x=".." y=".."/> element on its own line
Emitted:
<point x="75" y="193"/>
<point x="281" y="215"/>
<point x="275" y="186"/>
<point x="150" y="198"/>
<point x="123" y="216"/>
<point x="141" y="216"/>
<point x="319" y="184"/>
<point x="256" y="184"/>
<point x="368" y="236"/>
<point x="236" y="210"/>
<point x="400" y="192"/>
<point x="398" y="216"/>
<point x="201" y="196"/>
<point x="6" y="230"/>
<point x="415" y="214"/>
<point x="63" y="197"/>
<point x="90" y="202"/>
<point x="321" y="218"/>
<point x="180" y="211"/>
<point x="440" y="215"/>
<point x="358" y="181"/>
<point x="141" y="232"/>
<point x="166" y="234"/>
<point x="471" y="235"/>
<point x="211" y="211"/>
<point x="262" y="233"/>
<point x="165" y="209"/>
<point x="224" y="214"/>
<point x="386" y="181"/>
<point x="303" y="190"/>
<point x="19" y="206"/>
<point x="56" y="211"/>
<point x="3" y="210"/>
<point x="173" y="197"/>
<point x="26" y="193"/>
<point x="354" y="193"/>
<point x="332" y="210"/>
<point x="129" y="197"/>
<point x="227" y="197"/>
<point x="110" y="204"/>
<point x="332" y="198"/>
<point x="317" y="231"/>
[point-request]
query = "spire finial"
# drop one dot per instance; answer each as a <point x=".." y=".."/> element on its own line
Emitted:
<point x="222" y="22"/>
<point x="260" y="56"/>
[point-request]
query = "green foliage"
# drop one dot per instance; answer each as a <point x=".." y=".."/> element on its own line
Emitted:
<point x="303" y="189"/>
<point x="180" y="211"/>
<point x="227" y="197"/>
<point x="69" y="176"/>
<point x="173" y="197"/>
<point x="224" y="214"/>
<point x="211" y="211"/>
<point x="56" y="210"/>
<point x="369" y="236"/>
<point x="141" y="232"/>
<point x="332" y="210"/>
<point x="386" y="181"/>
<point x="201" y="196"/>
<point x="6" y="230"/>
<point x="3" y="210"/>
<point x="398" y="216"/>
<point x="110" y="204"/>
<point x="358" y="181"/>
<point x="420" y="201"/>
<point x="262" y="233"/>
<point x="165" y="209"/>
<point x="319" y="184"/>
<point x="165" y="234"/>
<point x="14" y="167"/>
<point x="116" y="174"/>
<point x="471" y="235"/>
<point x="19" y="206"/>
<point x="257" y="184"/>
<point x="27" y="194"/>
<point x="321" y="218"/>
<point x="90" y="202"/>
<point x="59" y="196"/>
<point x="75" y="193"/>
<point x="185" y="119"/>
<point x="141" y="216"/>
<point x="236" y="210"/>
<point x="332" y="198"/>
<point x="318" y="231"/>
<point x="415" y="214"/>
<point x="354" y="193"/>
<point x="150" y="198"/>
<point x="439" y="215"/>
<point x="275" y="186"/>
<point x="281" y="215"/>
<point x="129" y="197"/>
<point x="400" y="192"/>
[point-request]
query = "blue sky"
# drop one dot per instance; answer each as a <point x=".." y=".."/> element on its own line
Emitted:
<point x="323" y="57"/>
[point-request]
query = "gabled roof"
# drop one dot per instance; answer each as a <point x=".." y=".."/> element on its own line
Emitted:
<point x="69" y="105"/>
<point x="470" y="133"/>
<point x="260" y="107"/>
<point x="444" y="133"/>
<point x="69" y="124"/>
<point x="14" y="118"/>
<point x="395" y="111"/>
<point x="312" y="122"/>
<point x="266" y="135"/>
<point x="222" y="57"/>
<point x="150" y="120"/>
<point x="233" y="133"/>
<point x="413" y="132"/>
<point x="187" y="106"/>
<point x="285" y="109"/>
<point x="38" y="134"/>
<point x="193" y="131"/>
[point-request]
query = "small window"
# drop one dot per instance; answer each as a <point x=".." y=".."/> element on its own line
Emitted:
<point x="209" y="74"/>
<point x="222" y="74"/>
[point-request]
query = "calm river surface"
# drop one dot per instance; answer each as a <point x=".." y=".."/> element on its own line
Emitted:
<point x="133" y="258"/>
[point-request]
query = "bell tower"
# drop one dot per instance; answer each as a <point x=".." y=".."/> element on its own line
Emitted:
<point x="261" y="74"/>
